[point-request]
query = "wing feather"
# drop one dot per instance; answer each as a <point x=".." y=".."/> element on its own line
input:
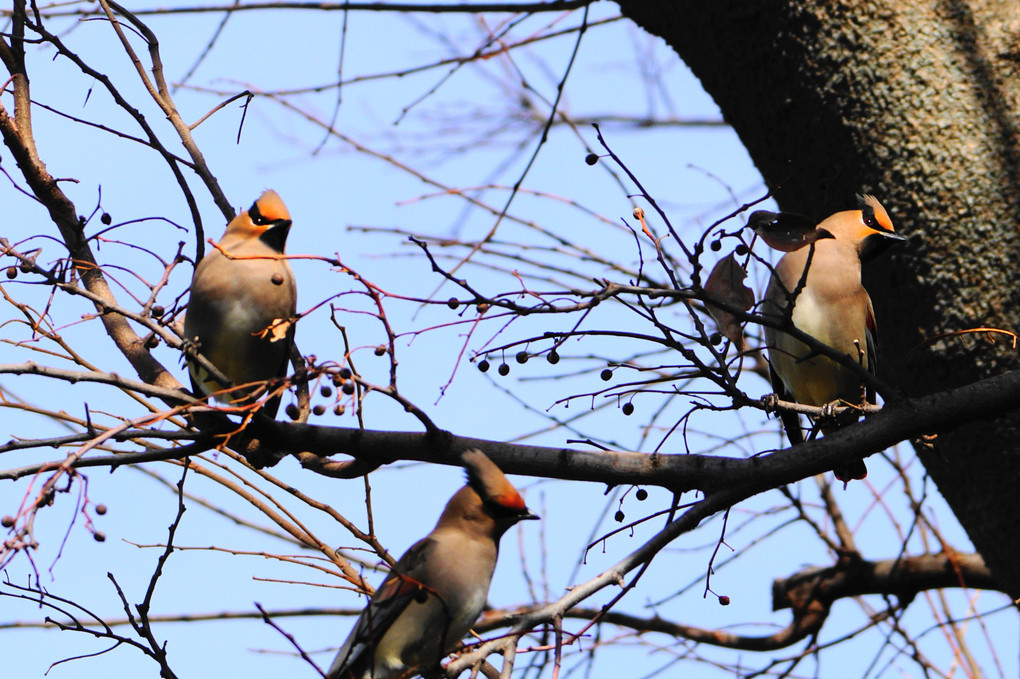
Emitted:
<point x="397" y="591"/>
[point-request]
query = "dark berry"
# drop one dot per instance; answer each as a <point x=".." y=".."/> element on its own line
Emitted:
<point x="348" y="388"/>
<point x="620" y="516"/>
<point x="504" y="369"/>
<point x="157" y="311"/>
<point x="325" y="391"/>
<point x="724" y="600"/>
<point x="715" y="338"/>
<point x="628" y="408"/>
<point x="380" y="350"/>
<point x="606" y="375"/>
<point x="292" y="411"/>
<point x="552" y="357"/>
<point x="522" y="357"/>
<point x="741" y="250"/>
<point x="339" y="409"/>
<point x="151" y="342"/>
<point x="483" y="365"/>
<point x="100" y="509"/>
<point x="453" y="303"/>
<point x="106" y="218"/>
<point x="591" y="159"/>
<point x="641" y="494"/>
<point x="345" y="373"/>
<point x="99" y="536"/>
<point x="319" y="410"/>
<point x="12" y="272"/>
<point x="7" y="521"/>
<point x="716" y="245"/>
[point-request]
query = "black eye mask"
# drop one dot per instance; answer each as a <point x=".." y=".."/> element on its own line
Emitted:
<point x="256" y="215"/>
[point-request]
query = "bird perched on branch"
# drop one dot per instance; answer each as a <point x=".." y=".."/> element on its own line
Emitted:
<point x="242" y="306"/>
<point x="823" y="283"/>
<point x="437" y="589"/>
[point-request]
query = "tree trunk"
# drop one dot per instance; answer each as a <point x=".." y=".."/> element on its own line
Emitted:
<point x="917" y="103"/>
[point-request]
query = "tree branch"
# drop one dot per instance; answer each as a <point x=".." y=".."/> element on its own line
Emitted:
<point x="904" y="420"/>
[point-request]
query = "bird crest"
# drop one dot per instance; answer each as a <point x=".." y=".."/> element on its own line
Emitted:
<point x="873" y="214"/>
<point x="489" y="482"/>
<point x="267" y="219"/>
<point x="268" y="209"/>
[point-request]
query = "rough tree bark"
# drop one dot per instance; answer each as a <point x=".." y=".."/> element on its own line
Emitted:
<point x="916" y="102"/>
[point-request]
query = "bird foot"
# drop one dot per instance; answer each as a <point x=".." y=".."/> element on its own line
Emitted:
<point x="189" y="347"/>
<point x="828" y="417"/>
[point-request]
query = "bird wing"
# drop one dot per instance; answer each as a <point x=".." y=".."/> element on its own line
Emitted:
<point x="397" y="591"/>
<point x="273" y="405"/>
<point x="791" y="421"/>
<point x="871" y="336"/>
<point x="775" y="305"/>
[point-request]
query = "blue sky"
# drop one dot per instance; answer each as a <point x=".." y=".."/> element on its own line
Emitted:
<point x="466" y="133"/>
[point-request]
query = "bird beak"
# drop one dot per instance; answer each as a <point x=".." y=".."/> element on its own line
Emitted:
<point x="877" y="242"/>
<point x="530" y="516"/>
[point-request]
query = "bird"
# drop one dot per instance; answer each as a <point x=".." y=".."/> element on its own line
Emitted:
<point x="823" y="283"/>
<point x="241" y="308"/>
<point x="437" y="589"/>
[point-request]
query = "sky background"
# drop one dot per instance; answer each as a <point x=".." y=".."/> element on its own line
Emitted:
<point x="459" y="128"/>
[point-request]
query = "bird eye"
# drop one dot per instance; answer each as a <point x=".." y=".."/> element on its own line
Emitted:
<point x="869" y="221"/>
<point x="256" y="215"/>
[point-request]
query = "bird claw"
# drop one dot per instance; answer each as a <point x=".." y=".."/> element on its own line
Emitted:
<point x="828" y="415"/>
<point x="770" y="403"/>
<point x="189" y="347"/>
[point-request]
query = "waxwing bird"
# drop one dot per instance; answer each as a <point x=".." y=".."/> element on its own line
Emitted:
<point x="823" y="283"/>
<point x="437" y="589"/>
<point x="241" y="311"/>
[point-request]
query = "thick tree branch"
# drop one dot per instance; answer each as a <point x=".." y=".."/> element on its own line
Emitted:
<point x="809" y="593"/>
<point x="905" y="420"/>
<point x="903" y="578"/>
